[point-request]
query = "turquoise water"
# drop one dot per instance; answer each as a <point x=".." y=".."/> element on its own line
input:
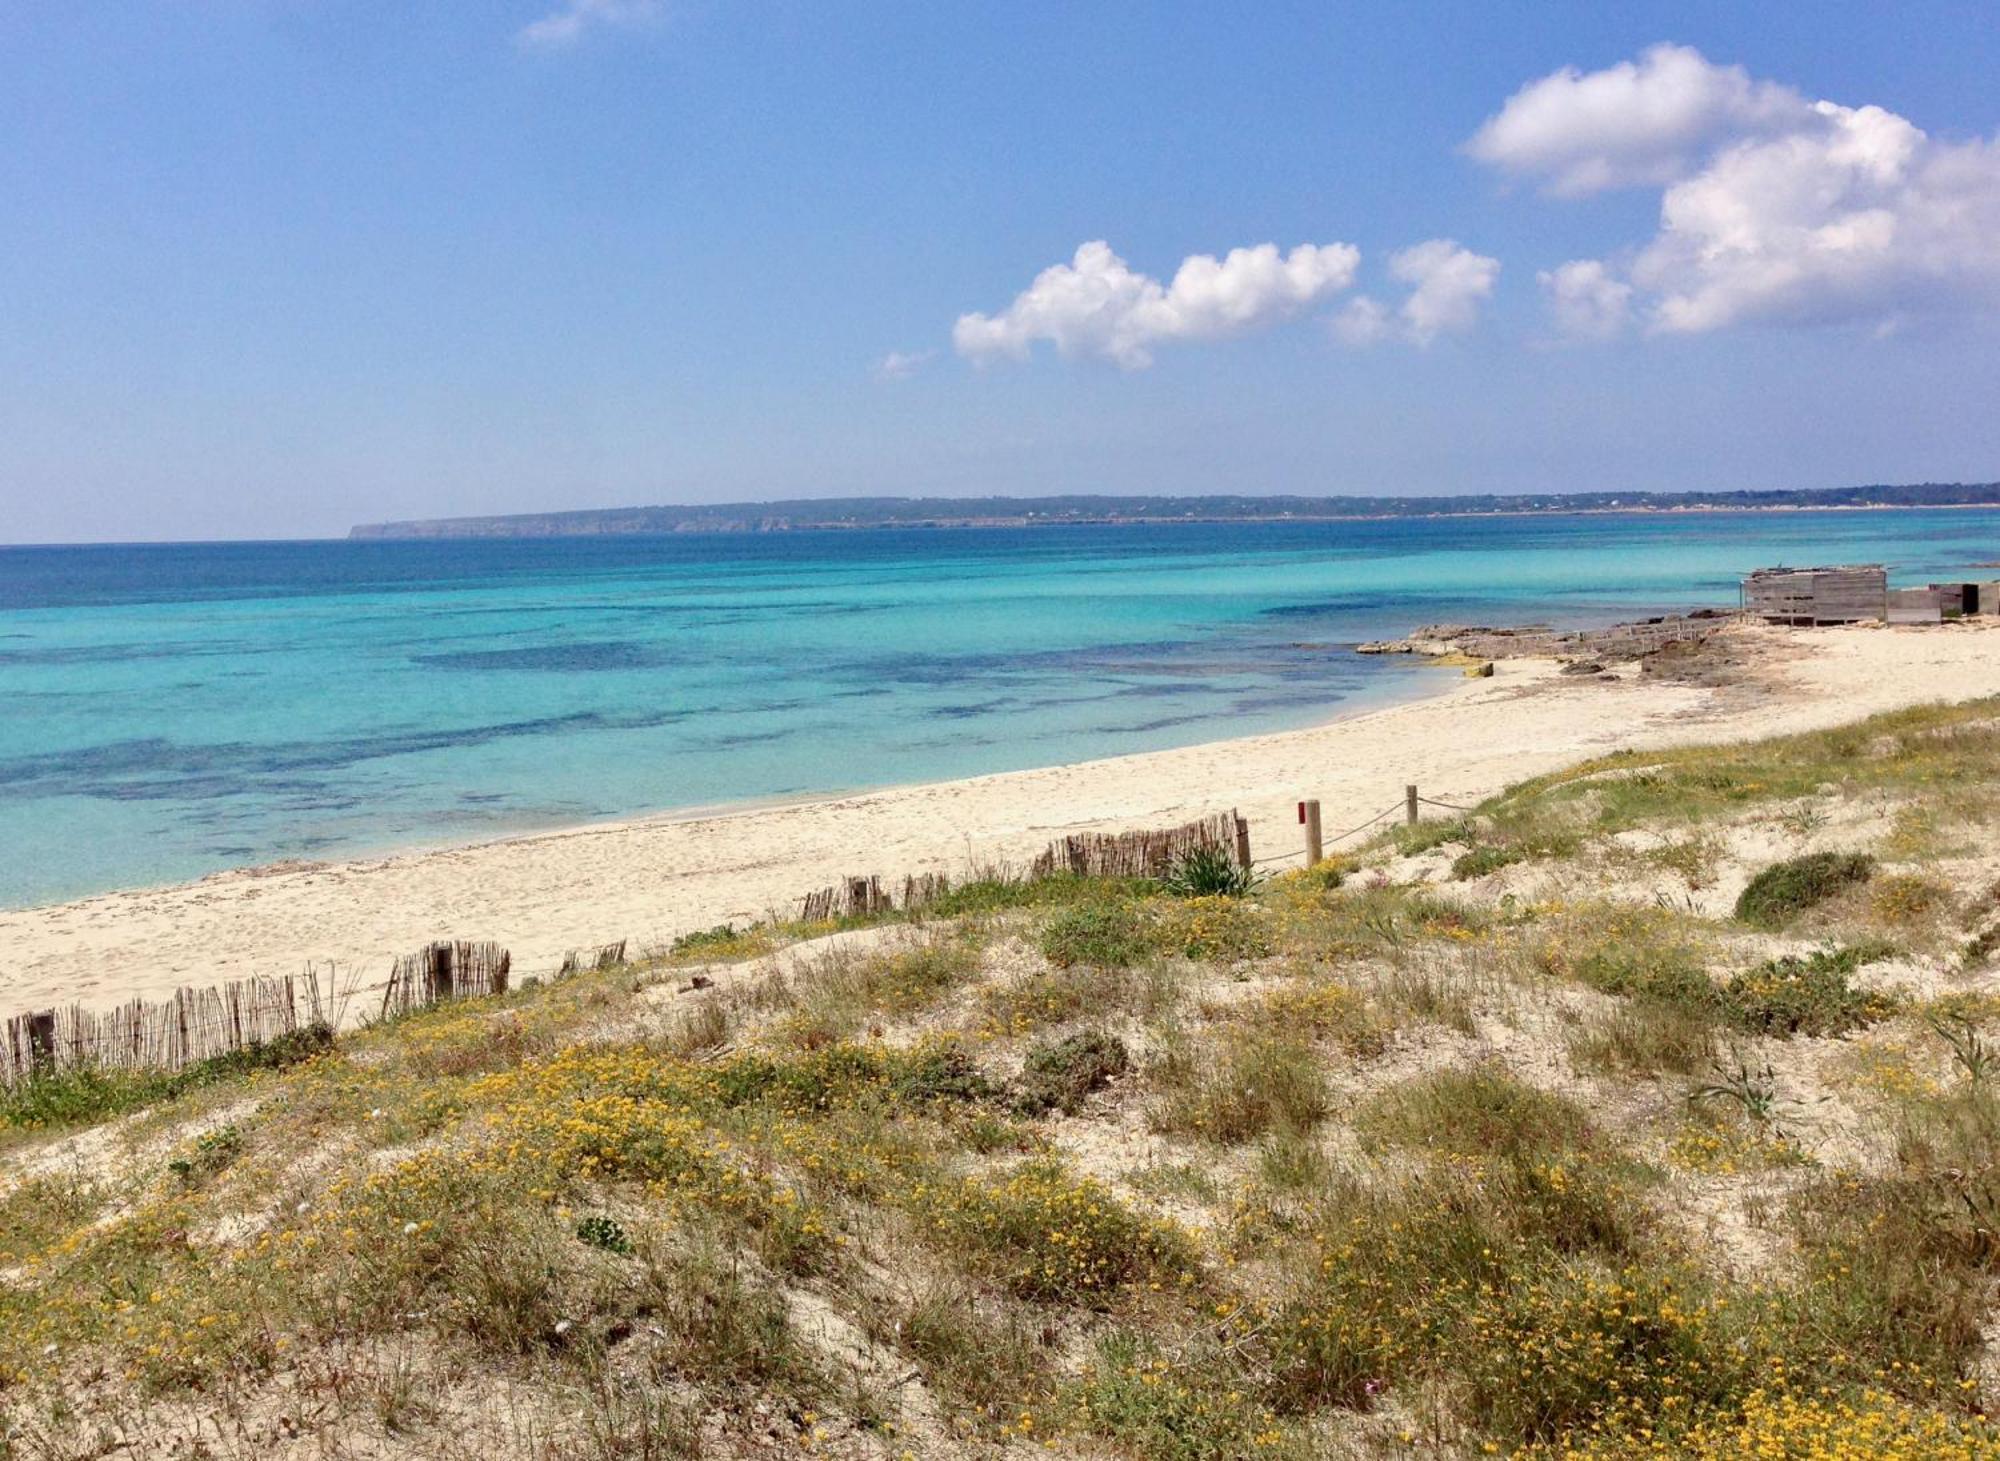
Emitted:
<point x="169" y="711"/>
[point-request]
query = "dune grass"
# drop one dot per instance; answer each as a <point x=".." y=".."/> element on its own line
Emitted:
<point x="1336" y="1165"/>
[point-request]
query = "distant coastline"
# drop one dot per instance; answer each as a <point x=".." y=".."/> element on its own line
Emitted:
<point x="864" y="513"/>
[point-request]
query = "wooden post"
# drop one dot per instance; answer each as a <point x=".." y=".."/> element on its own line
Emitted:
<point x="1309" y="814"/>
<point x="1242" y="843"/>
<point x="1410" y="805"/>
<point x="443" y="971"/>
<point x="42" y="1040"/>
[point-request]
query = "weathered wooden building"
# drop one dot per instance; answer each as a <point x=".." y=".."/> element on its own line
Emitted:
<point x="1847" y="594"/>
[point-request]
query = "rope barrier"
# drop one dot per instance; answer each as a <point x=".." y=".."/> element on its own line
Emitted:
<point x="1448" y="806"/>
<point x="1337" y="837"/>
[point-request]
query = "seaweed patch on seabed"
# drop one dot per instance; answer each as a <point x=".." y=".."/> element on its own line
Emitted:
<point x="150" y="768"/>
<point x="973" y="710"/>
<point x="112" y="654"/>
<point x="607" y="654"/>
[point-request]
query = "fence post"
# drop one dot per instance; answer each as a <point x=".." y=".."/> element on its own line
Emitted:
<point x="1309" y="814"/>
<point x="1242" y="842"/>
<point x="1410" y="805"/>
<point x="42" y="1040"/>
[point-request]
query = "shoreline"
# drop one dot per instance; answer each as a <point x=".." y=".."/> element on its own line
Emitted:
<point x="646" y="879"/>
<point x="1441" y="680"/>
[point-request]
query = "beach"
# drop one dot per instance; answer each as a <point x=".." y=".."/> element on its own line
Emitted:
<point x="649" y="879"/>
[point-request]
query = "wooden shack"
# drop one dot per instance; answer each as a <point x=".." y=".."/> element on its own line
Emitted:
<point x="1956" y="600"/>
<point x="1847" y="594"/>
<point x="1913" y="606"/>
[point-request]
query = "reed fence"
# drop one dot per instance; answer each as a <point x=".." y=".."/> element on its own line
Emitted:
<point x="604" y="956"/>
<point x="200" y="1024"/>
<point x="445" y="970"/>
<point x="1145" y="854"/>
<point x="194" y="1025"/>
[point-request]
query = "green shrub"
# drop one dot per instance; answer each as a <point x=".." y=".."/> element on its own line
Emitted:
<point x="1402" y="1272"/>
<point x="1478" y="1112"/>
<point x="998" y="893"/>
<point x="1198" y="1406"/>
<point x="602" y="1231"/>
<point x="1646" y="1036"/>
<point x="984" y="1356"/>
<point x="1641" y="952"/>
<point x="1583" y="1347"/>
<point x="1414" y="838"/>
<point x="1048" y="1234"/>
<point x="1785" y="889"/>
<point x="89" y="1093"/>
<point x="1256" y="1083"/>
<point x="1483" y="860"/>
<point x="1208" y="872"/>
<point x="940" y="1072"/>
<point x="1111" y="935"/>
<point x="1058" y="1076"/>
<point x="720" y="941"/>
<point x="208" y="1154"/>
<point x="1812" y="995"/>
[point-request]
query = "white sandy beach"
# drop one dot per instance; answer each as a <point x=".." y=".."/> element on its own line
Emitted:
<point x="651" y="878"/>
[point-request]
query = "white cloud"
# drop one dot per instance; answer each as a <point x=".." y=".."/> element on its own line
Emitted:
<point x="1587" y="301"/>
<point x="1364" y="321"/>
<point x="1637" y="122"/>
<point x="564" y="25"/>
<point x="902" y="364"/>
<point x="1857" y="216"/>
<point x="1448" y="283"/>
<point x="1773" y="209"/>
<point x="1098" y="307"/>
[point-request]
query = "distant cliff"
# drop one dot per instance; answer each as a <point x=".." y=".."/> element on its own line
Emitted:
<point x="967" y="512"/>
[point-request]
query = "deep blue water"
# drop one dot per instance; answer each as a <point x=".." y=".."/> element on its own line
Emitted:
<point x="168" y="711"/>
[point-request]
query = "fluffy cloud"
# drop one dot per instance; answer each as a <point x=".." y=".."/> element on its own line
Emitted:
<point x="1637" y="122"/>
<point x="1098" y="307"/>
<point x="1448" y="283"/>
<point x="562" y="27"/>
<point x="1588" y="302"/>
<point x="1855" y="216"/>
<point x="1773" y="209"/>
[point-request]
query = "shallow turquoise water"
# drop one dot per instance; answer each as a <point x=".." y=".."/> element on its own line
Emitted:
<point x="168" y="711"/>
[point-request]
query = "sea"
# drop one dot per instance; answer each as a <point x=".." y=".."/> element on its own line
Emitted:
<point x="170" y="711"/>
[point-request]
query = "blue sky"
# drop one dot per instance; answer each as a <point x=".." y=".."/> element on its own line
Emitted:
<point x="272" y="267"/>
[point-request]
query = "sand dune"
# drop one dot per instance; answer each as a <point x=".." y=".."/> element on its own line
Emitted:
<point x="650" y="878"/>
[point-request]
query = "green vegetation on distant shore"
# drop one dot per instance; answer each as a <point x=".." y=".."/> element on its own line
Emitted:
<point x="928" y="512"/>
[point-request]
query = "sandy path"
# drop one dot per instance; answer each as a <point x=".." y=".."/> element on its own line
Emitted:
<point x="651" y="878"/>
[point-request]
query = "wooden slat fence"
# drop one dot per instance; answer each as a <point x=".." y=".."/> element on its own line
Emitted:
<point x="604" y="956"/>
<point x="1142" y="854"/>
<point x="194" y="1025"/>
<point x="445" y="970"/>
<point x="1087" y="854"/>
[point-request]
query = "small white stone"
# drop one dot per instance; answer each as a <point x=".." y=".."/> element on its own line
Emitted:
<point x="563" y="1326"/>
<point x="409" y="1230"/>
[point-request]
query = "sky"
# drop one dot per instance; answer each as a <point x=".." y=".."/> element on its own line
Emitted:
<point x="269" y="268"/>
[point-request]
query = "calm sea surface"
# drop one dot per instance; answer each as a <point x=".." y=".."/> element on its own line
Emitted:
<point x="168" y="711"/>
